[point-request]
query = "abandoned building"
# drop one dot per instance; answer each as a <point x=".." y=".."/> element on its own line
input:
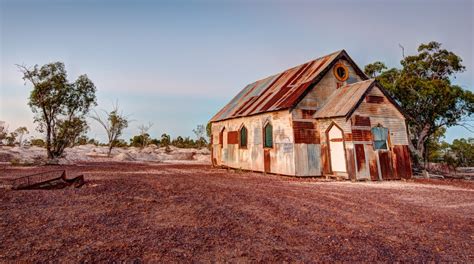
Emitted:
<point x="321" y="118"/>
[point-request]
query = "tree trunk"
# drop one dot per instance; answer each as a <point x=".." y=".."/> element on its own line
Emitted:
<point x="48" y="143"/>
<point x="421" y="148"/>
<point x="110" y="150"/>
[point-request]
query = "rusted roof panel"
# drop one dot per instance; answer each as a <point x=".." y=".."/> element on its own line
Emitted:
<point x="277" y="92"/>
<point x="344" y="99"/>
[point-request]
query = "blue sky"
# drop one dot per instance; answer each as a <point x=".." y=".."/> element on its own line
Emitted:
<point x="176" y="63"/>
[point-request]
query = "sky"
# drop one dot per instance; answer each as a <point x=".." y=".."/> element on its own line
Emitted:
<point x="176" y="63"/>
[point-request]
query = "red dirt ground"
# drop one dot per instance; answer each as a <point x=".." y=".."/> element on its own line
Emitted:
<point x="185" y="213"/>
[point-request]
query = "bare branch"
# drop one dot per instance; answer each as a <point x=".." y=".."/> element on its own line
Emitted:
<point x="403" y="50"/>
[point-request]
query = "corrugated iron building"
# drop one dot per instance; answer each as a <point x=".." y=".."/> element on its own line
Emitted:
<point x="324" y="117"/>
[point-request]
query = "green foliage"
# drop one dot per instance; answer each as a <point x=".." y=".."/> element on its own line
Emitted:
<point x="144" y="136"/>
<point x="374" y="69"/>
<point x="201" y="133"/>
<point x="59" y="106"/>
<point x="165" y="140"/>
<point x="436" y="148"/>
<point x="186" y="142"/>
<point x="463" y="151"/>
<point x="21" y="132"/>
<point x="38" y="142"/>
<point x="142" y="140"/>
<point x="209" y="130"/>
<point x="114" y="123"/>
<point x="423" y="89"/>
<point x="120" y="143"/>
<point x="155" y="141"/>
<point x="201" y="143"/>
<point x="10" y="139"/>
<point x="139" y="140"/>
<point x="93" y="142"/>
<point x="81" y="140"/>
<point x="3" y="132"/>
<point x="13" y="137"/>
<point x="458" y="154"/>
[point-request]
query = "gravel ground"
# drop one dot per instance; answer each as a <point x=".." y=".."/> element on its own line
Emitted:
<point x="184" y="213"/>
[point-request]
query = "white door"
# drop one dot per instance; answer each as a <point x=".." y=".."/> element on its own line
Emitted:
<point x="336" y="147"/>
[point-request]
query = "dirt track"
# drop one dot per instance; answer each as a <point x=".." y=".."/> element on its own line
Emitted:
<point x="192" y="212"/>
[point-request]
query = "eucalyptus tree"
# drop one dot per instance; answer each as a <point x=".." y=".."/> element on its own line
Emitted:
<point x="424" y="90"/>
<point x="114" y="122"/>
<point x="60" y="106"/>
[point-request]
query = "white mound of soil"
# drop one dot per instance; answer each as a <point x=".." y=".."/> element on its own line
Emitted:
<point x="152" y="153"/>
<point x="123" y="157"/>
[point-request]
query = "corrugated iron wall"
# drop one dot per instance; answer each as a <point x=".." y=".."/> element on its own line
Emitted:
<point x="300" y="142"/>
<point x="394" y="163"/>
<point x="281" y="156"/>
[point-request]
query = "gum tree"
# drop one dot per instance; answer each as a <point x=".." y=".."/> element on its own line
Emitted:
<point x="114" y="123"/>
<point x="424" y="90"/>
<point x="60" y="106"/>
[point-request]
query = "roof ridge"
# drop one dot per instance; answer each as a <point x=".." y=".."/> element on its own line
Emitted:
<point x="281" y="90"/>
<point x="299" y="65"/>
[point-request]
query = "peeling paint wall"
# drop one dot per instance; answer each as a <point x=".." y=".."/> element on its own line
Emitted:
<point x="321" y="92"/>
<point x="252" y="157"/>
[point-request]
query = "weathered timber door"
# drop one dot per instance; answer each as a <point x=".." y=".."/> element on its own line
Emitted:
<point x="336" y="149"/>
<point x="266" y="160"/>
<point x="385" y="162"/>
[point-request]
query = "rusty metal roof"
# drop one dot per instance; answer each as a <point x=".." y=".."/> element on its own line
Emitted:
<point x="342" y="101"/>
<point x="280" y="91"/>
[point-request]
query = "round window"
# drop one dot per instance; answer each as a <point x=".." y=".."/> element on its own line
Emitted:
<point x="341" y="72"/>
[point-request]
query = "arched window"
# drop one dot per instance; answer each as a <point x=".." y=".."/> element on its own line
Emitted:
<point x="243" y="137"/>
<point x="268" y="136"/>
<point x="380" y="136"/>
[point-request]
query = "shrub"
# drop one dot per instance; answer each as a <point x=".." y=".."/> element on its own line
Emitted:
<point x="38" y="142"/>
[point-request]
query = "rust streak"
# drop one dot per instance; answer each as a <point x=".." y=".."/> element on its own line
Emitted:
<point x="361" y="121"/>
<point x="374" y="174"/>
<point x="325" y="159"/>
<point x="361" y="135"/>
<point x="360" y="157"/>
<point x="285" y="88"/>
<point x="261" y="94"/>
<point x="306" y="133"/>
<point x="375" y="99"/>
<point x="295" y="95"/>
<point x="350" y="163"/>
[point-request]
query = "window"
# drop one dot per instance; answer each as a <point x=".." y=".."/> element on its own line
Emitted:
<point x="341" y="72"/>
<point x="243" y="137"/>
<point x="380" y="136"/>
<point x="268" y="136"/>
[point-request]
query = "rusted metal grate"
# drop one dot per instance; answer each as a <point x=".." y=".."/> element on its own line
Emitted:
<point x="47" y="180"/>
<point x="37" y="178"/>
